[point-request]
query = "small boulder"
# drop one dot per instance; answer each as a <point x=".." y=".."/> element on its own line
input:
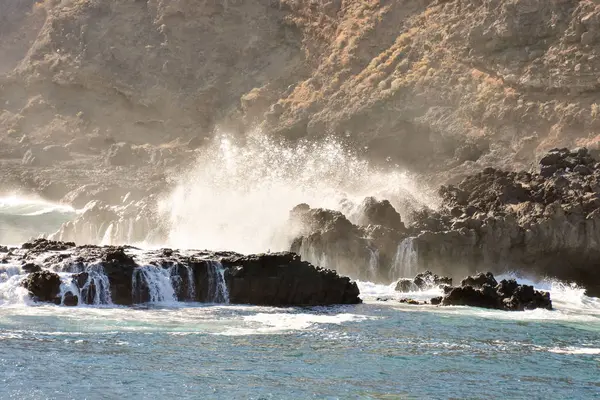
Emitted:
<point x="31" y="267"/>
<point x="477" y="281"/>
<point x="70" y="299"/>
<point x="43" y="286"/>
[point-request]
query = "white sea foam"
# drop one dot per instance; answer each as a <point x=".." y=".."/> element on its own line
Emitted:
<point x="279" y="323"/>
<point x="575" y="350"/>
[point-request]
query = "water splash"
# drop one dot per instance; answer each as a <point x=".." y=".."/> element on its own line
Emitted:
<point x="26" y="217"/>
<point x="406" y="261"/>
<point x="238" y="197"/>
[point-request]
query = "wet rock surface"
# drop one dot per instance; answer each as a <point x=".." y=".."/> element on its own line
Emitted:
<point x="126" y="276"/>
<point x="43" y="286"/>
<point x="283" y="279"/>
<point x="424" y="280"/>
<point x="508" y="295"/>
<point x="483" y="291"/>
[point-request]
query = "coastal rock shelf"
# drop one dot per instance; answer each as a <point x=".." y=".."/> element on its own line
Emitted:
<point x="62" y="273"/>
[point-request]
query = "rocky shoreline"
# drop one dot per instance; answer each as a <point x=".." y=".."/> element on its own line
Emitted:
<point x="62" y="273"/>
<point x="544" y="224"/>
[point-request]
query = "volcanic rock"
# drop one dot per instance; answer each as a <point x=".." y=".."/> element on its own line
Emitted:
<point x="43" y="286"/>
<point x="132" y="276"/>
<point x="423" y="280"/>
<point x="476" y="291"/>
<point x="282" y="279"/>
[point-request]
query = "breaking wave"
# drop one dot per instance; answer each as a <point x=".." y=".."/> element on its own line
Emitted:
<point x="239" y="195"/>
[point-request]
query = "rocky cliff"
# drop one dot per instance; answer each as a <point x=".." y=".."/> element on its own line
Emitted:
<point x="544" y="224"/>
<point x="439" y="86"/>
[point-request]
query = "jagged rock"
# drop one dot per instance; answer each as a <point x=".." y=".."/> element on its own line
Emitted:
<point x="436" y="300"/>
<point x="379" y="212"/>
<point x="44" y="245"/>
<point x="70" y="299"/>
<point x="43" y="286"/>
<point x="282" y="279"/>
<point x="423" y="280"/>
<point x="405" y="285"/>
<point x="119" y="267"/>
<point x="469" y="296"/>
<point x="477" y="281"/>
<point x="412" y="302"/>
<point x="508" y="295"/>
<point x="362" y="252"/>
<point x="30" y="267"/>
<point x="109" y="273"/>
<point x="330" y="233"/>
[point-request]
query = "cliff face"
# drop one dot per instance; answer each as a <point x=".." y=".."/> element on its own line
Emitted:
<point x="438" y="86"/>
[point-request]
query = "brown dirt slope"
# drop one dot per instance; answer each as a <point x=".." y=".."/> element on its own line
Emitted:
<point x="440" y="86"/>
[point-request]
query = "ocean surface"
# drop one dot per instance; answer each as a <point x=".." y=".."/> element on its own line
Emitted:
<point x="23" y="218"/>
<point x="381" y="349"/>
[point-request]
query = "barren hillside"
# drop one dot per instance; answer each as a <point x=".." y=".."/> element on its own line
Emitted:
<point x="441" y="87"/>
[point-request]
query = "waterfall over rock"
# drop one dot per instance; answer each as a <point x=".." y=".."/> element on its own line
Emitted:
<point x="152" y="284"/>
<point x="218" y="292"/>
<point x="406" y="260"/>
<point x="63" y="274"/>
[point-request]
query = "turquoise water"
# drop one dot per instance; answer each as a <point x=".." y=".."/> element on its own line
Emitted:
<point x="24" y="218"/>
<point x="377" y="350"/>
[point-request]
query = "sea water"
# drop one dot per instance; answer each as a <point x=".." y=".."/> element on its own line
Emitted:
<point x="381" y="349"/>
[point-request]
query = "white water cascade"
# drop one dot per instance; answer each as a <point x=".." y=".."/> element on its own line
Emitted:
<point x="373" y="264"/>
<point x="165" y="285"/>
<point x="158" y="282"/>
<point x="217" y="288"/>
<point x="406" y="261"/>
<point x="97" y="287"/>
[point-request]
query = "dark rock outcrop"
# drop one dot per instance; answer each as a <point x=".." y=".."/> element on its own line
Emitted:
<point x="282" y="279"/>
<point x="544" y="224"/>
<point x="477" y="291"/>
<point x="479" y="280"/>
<point x="379" y="212"/>
<point x="126" y="276"/>
<point x="424" y="280"/>
<point x="43" y="286"/>
<point x="328" y="238"/>
<point x="31" y="267"/>
<point x="44" y="245"/>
